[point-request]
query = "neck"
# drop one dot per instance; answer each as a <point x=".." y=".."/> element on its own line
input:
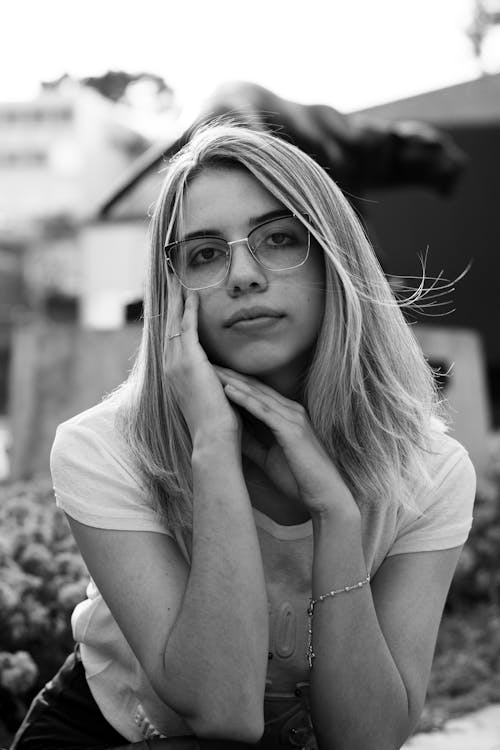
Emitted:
<point x="285" y="384"/>
<point x="289" y="380"/>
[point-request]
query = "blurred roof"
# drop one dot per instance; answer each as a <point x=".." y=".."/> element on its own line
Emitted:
<point x="473" y="102"/>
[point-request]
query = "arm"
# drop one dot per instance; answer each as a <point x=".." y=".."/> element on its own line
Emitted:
<point x="201" y="633"/>
<point x="376" y="643"/>
<point x="221" y="633"/>
<point x="360" y="151"/>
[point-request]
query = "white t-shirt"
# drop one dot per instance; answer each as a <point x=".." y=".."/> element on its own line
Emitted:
<point x="97" y="482"/>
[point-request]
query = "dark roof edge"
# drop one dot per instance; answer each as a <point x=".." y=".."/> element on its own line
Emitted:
<point x="155" y="154"/>
<point x="425" y="94"/>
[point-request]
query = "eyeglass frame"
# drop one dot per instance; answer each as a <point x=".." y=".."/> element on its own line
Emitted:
<point x="169" y="245"/>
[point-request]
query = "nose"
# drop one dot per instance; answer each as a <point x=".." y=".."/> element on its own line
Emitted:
<point x="245" y="274"/>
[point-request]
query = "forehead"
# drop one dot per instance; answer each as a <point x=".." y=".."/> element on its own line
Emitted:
<point x="225" y="198"/>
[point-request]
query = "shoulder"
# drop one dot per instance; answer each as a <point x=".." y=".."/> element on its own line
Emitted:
<point x="93" y="434"/>
<point x="448" y="470"/>
<point x="438" y="514"/>
<point x="97" y="479"/>
<point x="100" y="419"/>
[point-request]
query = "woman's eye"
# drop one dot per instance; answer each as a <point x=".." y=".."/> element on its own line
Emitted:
<point x="204" y="255"/>
<point x="278" y="238"/>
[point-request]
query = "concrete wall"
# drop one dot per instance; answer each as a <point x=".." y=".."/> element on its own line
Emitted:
<point x="58" y="370"/>
<point x="113" y="259"/>
<point x="459" y="229"/>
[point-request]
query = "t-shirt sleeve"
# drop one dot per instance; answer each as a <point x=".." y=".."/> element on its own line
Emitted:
<point x="444" y="517"/>
<point x="96" y="483"/>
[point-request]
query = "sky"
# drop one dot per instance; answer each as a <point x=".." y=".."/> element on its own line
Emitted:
<point x="350" y="54"/>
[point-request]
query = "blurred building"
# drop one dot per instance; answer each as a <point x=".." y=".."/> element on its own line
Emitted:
<point x="61" y="151"/>
<point x="458" y="230"/>
<point x="59" y="155"/>
<point x="38" y="159"/>
<point x="100" y="263"/>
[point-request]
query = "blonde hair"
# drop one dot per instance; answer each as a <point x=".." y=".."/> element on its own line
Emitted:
<point x="369" y="392"/>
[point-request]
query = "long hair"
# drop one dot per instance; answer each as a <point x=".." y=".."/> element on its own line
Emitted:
<point x="369" y="392"/>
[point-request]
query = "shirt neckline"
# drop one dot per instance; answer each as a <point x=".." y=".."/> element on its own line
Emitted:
<point x="280" y="531"/>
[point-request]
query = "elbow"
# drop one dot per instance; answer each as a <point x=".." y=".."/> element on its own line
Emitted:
<point x="221" y="717"/>
<point x="363" y="744"/>
<point x="215" y="708"/>
<point x="238" y="728"/>
<point x="223" y="721"/>
<point x="390" y="735"/>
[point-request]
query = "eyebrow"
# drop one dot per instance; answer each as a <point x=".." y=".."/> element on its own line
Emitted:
<point x="253" y="222"/>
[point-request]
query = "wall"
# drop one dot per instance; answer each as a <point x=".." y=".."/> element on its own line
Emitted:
<point x="60" y="152"/>
<point x="58" y="370"/>
<point x="459" y="230"/>
<point x="113" y="259"/>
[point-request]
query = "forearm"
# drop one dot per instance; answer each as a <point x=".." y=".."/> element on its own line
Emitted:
<point x="218" y="647"/>
<point x="359" y="700"/>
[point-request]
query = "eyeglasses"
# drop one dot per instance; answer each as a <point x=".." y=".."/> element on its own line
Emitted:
<point x="277" y="245"/>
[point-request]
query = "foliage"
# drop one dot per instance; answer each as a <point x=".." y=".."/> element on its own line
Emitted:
<point x="485" y="17"/>
<point x="466" y="669"/>
<point x="18" y="672"/>
<point x="114" y="83"/>
<point x="477" y="578"/>
<point x="42" y="578"/>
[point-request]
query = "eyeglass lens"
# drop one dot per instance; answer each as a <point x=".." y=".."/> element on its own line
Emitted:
<point x="277" y="245"/>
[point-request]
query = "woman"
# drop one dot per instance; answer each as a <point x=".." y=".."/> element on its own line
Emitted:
<point x="270" y="508"/>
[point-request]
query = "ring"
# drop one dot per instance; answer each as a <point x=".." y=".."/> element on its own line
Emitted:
<point x="174" y="336"/>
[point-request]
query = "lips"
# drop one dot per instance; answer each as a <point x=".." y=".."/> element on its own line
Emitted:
<point x="252" y="313"/>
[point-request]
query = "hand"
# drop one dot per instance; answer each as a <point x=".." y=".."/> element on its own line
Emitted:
<point x="360" y="151"/>
<point x="297" y="463"/>
<point x="196" y="386"/>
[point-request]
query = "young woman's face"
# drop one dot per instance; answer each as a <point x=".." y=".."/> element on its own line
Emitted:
<point x="230" y="203"/>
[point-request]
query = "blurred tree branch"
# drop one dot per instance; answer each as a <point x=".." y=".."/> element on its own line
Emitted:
<point x="486" y="15"/>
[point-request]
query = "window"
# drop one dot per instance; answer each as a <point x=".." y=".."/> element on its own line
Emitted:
<point x="23" y="159"/>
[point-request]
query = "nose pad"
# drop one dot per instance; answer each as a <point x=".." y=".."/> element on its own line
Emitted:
<point x="245" y="272"/>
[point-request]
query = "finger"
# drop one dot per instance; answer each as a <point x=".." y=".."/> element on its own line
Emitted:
<point x="257" y="404"/>
<point x="228" y="376"/>
<point x="189" y="316"/>
<point x="174" y="320"/>
<point x="189" y="324"/>
<point x="335" y="133"/>
<point x="231" y="376"/>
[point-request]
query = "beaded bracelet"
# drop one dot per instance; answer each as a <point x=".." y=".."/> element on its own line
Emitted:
<point x="310" y="611"/>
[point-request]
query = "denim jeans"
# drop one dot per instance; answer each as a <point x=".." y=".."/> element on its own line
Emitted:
<point x="65" y="716"/>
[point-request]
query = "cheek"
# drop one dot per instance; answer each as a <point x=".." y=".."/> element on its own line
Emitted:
<point x="317" y="264"/>
<point x="207" y="324"/>
<point x="318" y="277"/>
<point x="312" y="316"/>
<point x="203" y="322"/>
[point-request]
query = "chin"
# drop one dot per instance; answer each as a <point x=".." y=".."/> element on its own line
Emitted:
<point x="254" y="366"/>
<point x="256" y="369"/>
<point x="259" y="367"/>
